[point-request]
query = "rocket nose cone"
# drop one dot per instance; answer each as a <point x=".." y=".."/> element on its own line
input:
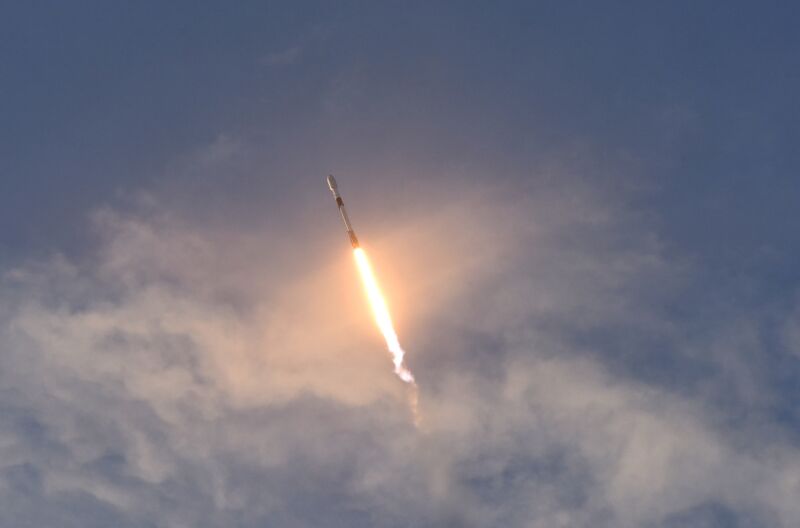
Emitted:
<point x="331" y="183"/>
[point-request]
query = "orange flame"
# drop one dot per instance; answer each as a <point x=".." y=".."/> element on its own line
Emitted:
<point x="381" y="312"/>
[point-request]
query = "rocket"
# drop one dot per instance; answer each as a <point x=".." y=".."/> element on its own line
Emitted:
<point x="342" y="211"/>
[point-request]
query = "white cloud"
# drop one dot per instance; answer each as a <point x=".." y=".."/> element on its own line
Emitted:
<point x="190" y="377"/>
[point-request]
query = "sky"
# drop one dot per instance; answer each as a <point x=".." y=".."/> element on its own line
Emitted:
<point x="583" y="216"/>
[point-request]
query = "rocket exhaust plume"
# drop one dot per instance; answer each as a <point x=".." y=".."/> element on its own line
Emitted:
<point x="380" y="310"/>
<point x="382" y="317"/>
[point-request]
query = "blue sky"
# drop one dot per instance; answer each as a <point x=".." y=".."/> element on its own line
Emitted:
<point x="583" y="216"/>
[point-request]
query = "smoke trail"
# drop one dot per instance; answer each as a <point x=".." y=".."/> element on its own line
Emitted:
<point x="382" y="317"/>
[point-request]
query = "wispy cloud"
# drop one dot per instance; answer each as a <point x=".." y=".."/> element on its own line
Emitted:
<point x="283" y="57"/>
<point x="185" y="379"/>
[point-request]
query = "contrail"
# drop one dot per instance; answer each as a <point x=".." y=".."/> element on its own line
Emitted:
<point x="380" y="310"/>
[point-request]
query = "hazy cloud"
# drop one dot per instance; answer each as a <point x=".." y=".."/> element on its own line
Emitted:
<point x="183" y="380"/>
<point x="283" y="57"/>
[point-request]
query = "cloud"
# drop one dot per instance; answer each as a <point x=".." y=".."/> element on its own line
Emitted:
<point x="791" y="333"/>
<point x="283" y="57"/>
<point x="192" y="374"/>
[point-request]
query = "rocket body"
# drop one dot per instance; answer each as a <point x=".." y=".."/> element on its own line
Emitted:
<point x="342" y="211"/>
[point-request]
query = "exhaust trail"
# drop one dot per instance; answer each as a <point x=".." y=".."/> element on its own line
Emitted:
<point x="382" y="317"/>
<point x="380" y="309"/>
